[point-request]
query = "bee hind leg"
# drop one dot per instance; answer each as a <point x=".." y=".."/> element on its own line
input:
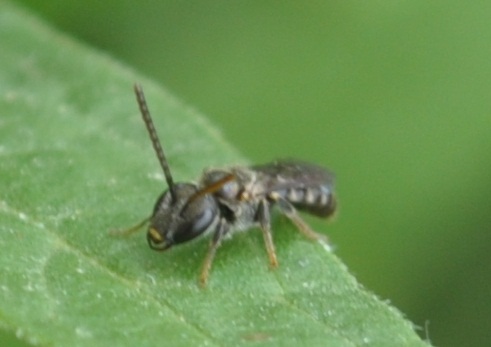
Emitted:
<point x="290" y="212"/>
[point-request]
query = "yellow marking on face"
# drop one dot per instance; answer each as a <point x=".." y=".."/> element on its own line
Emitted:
<point x="155" y="235"/>
<point x="244" y="196"/>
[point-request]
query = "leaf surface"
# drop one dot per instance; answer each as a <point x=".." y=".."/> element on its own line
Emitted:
<point x="76" y="162"/>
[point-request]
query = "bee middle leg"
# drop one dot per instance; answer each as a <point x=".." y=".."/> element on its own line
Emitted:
<point x="264" y="218"/>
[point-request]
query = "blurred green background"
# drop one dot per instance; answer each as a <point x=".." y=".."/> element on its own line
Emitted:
<point x="394" y="96"/>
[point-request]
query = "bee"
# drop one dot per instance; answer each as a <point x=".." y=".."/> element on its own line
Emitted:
<point x="228" y="200"/>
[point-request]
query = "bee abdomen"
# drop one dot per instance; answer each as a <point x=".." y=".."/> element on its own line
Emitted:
<point x="318" y="201"/>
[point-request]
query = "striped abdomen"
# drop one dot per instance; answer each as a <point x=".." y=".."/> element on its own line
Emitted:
<point x="319" y="201"/>
<point x="306" y="186"/>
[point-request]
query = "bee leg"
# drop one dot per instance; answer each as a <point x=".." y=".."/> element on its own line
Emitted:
<point x="221" y="230"/>
<point x="264" y="218"/>
<point x="130" y="230"/>
<point x="289" y="211"/>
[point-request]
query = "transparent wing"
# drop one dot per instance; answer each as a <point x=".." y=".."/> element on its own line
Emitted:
<point x="286" y="174"/>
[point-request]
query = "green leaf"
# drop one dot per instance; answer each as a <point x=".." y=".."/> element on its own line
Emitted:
<point x="76" y="162"/>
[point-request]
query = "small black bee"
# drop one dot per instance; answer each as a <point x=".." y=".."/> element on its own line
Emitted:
<point x="233" y="199"/>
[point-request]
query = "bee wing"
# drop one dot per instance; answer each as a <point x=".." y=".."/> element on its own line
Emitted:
<point x="286" y="174"/>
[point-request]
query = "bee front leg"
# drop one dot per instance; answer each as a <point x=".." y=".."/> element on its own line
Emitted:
<point x="221" y="230"/>
<point x="130" y="230"/>
<point x="264" y="219"/>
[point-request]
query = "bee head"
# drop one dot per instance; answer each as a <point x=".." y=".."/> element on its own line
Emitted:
<point x="180" y="215"/>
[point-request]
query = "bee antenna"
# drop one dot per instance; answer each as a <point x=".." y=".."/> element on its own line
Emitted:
<point x="140" y="97"/>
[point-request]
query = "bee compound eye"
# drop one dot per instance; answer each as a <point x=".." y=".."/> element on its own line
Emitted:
<point x="203" y="221"/>
<point x="196" y="219"/>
